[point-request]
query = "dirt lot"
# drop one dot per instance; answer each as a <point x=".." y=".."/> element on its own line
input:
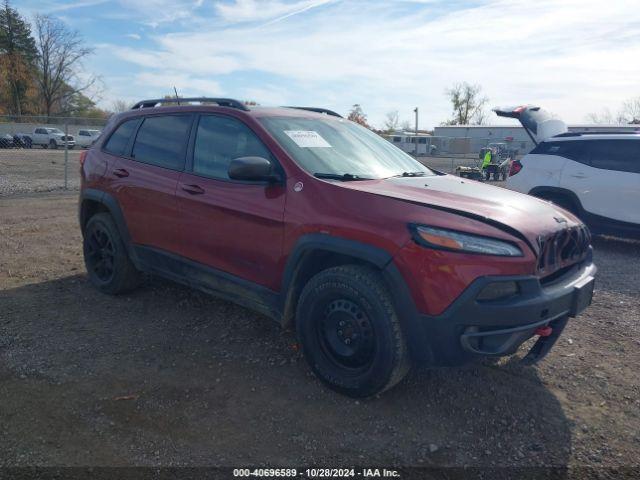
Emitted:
<point x="168" y="376"/>
<point x="37" y="170"/>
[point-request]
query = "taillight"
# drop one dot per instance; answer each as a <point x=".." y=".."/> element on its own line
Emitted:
<point x="516" y="166"/>
<point x="83" y="157"/>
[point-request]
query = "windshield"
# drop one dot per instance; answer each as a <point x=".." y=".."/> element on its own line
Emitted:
<point x="339" y="147"/>
<point x="53" y="130"/>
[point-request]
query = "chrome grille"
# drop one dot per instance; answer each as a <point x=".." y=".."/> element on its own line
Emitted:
<point x="562" y="248"/>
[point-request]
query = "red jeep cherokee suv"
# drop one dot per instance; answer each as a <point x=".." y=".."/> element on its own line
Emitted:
<point x="317" y="222"/>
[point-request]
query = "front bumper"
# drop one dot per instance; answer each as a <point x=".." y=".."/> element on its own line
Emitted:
<point x="472" y="328"/>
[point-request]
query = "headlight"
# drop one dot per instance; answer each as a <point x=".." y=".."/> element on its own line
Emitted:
<point x="442" y="239"/>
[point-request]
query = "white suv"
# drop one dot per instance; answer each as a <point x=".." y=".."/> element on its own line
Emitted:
<point x="595" y="175"/>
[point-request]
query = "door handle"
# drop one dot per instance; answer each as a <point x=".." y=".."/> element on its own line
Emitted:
<point x="120" y="172"/>
<point x="578" y="175"/>
<point x="193" y="189"/>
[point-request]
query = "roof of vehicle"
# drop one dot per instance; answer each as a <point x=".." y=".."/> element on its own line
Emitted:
<point x="216" y="104"/>
<point x="595" y="136"/>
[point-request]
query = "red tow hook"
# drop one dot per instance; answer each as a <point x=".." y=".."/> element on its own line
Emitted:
<point x="543" y="331"/>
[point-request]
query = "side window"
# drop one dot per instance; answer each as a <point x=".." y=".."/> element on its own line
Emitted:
<point x="117" y="143"/>
<point x="573" y="150"/>
<point x="40" y="130"/>
<point x="161" y="141"/>
<point x="221" y="139"/>
<point x="619" y="155"/>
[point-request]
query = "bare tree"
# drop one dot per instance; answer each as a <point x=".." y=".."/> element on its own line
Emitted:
<point x="468" y="104"/>
<point x="60" y="55"/>
<point x="119" y="106"/>
<point x="391" y="121"/>
<point x="605" y="117"/>
<point x="630" y="111"/>
<point x="405" y="125"/>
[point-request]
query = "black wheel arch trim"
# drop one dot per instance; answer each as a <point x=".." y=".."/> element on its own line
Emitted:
<point x="113" y="207"/>
<point x="377" y="257"/>
<point x="314" y="242"/>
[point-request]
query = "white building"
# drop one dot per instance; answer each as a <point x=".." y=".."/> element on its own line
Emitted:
<point x="410" y="141"/>
<point x="471" y="138"/>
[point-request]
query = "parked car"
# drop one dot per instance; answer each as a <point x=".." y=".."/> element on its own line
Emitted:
<point x="20" y="140"/>
<point x="48" y="137"/>
<point x="376" y="260"/>
<point x="6" y="141"/>
<point x="85" y="138"/>
<point x="594" y="175"/>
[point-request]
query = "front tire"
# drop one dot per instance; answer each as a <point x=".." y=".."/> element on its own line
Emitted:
<point x="350" y="332"/>
<point x="108" y="265"/>
<point x="53" y="144"/>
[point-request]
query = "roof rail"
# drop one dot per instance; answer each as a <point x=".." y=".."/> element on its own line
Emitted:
<point x="596" y="132"/>
<point x="222" y="102"/>
<point x="318" y="110"/>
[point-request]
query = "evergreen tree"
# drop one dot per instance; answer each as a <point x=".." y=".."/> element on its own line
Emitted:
<point x="17" y="56"/>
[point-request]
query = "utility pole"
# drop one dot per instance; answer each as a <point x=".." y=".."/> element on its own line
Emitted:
<point x="416" y="112"/>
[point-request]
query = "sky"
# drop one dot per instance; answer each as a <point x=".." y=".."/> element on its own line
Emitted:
<point x="572" y="57"/>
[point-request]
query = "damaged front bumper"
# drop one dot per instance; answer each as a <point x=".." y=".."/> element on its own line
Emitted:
<point x="474" y="327"/>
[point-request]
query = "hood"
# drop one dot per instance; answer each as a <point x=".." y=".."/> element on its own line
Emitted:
<point x="538" y="123"/>
<point x="515" y="213"/>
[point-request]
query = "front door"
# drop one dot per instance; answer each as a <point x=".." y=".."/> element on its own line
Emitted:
<point x="235" y="227"/>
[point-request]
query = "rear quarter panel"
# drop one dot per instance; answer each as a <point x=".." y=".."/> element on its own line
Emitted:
<point x="537" y="171"/>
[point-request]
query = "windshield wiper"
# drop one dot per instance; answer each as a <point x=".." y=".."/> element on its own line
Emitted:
<point x="344" y="177"/>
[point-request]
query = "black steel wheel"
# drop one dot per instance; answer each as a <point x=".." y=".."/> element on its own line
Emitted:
<point x="346" y="334"/>
<point x="100" y="253"/>
<point x="349" y="331"/>
<point x="105" y="257"/>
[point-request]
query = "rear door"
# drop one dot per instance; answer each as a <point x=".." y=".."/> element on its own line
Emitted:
<point x="232" y="226"/>
<point x="145" y="178"/>
<point x="607" y="180"/>
<point x="40" y="136"/>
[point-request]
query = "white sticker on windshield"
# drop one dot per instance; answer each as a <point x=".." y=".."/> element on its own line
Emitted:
<point x="307" y="139"/>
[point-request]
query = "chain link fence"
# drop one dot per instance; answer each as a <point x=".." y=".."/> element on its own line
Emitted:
<point x="40" y="154"/>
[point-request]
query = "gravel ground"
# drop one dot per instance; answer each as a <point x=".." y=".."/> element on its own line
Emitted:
<point x="37" y="170"/>
<point x="168" y="376"/>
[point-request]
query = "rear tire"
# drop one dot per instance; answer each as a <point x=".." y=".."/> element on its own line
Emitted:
<point x="350" y="332"/>
<point x="108" y="265"/>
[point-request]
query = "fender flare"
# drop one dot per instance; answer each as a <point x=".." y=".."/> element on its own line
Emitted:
<point x="377" y="257"/>
<point x="113" y="207"/>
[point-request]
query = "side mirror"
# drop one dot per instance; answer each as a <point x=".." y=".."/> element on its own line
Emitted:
<point x="253" y="169"/>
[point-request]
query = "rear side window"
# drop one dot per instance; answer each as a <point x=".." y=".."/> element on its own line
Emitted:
<point x="568" y="149"/>
<point x="620" y="155"/>
<point x="221" y="139"/>
<point x="161" y="141"/>
<point x="117" y="143"/>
